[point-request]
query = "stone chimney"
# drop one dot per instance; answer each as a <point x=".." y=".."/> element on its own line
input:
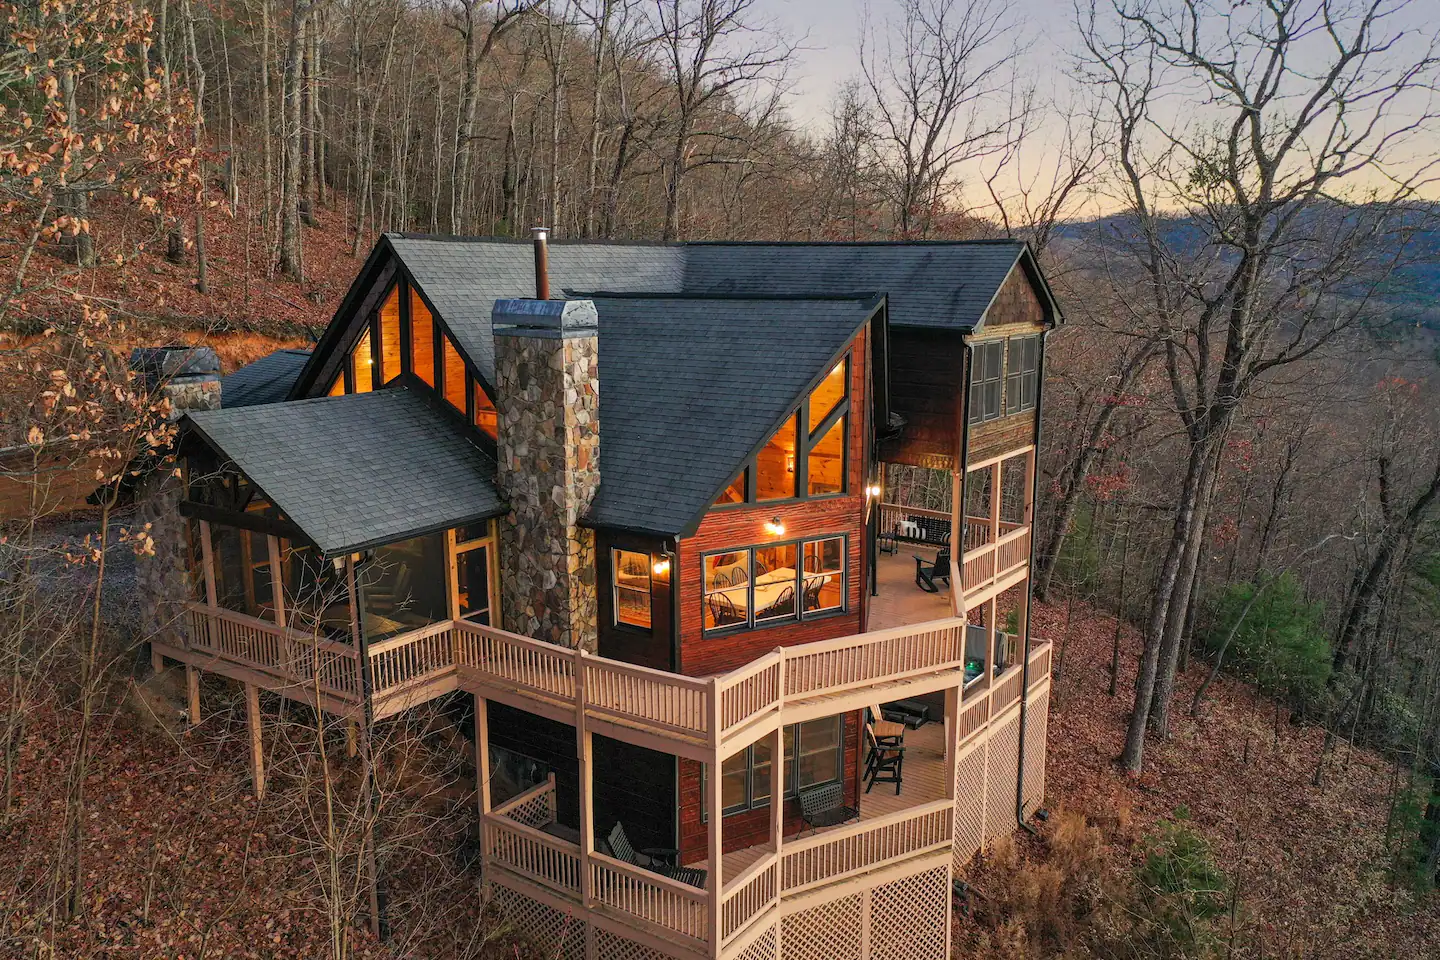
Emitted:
<point x="547" y="380"/>
<point x="188" y="376"/>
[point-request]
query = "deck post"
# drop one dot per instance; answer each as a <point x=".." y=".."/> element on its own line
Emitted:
<point x="716" y="808"/>
<point x="277" y="580"/>
<point x="207" y="561"/>
<point x="992" y="632"/>
<point x="584" y="756"/>
<point x="995" y="481"/>
<point x="157" y="660"/>
<point x="257" y="751"/>
<point x="953" y="697"/>
<point x="482" y="770"/>
<point x="352" y="739"/>
<point x="192" y="695"/>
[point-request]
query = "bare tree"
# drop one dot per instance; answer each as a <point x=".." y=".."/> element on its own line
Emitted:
<point x="1295" y="174"/>
<point x="943" y="93"/>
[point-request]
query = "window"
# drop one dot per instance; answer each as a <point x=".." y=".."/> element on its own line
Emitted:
<point x="486" y="419"/>
<point x="986" y="380"/>
<point x="422" y="340"/>
<point x="404" y="586"/>
<point x="745" y="777"/>
<point x="802" y="462"/>
<point x="775" y="465"/>
<point x="364" y="365"/>
<point x="1022" y="373"/>
<point x="631" y="573"/>
<point x="390" y="336"/>
<point x="454" y="373"/>
<point x="761" y="585"/>
<point x="727" y="589"/>
<point x="472" y="583"/>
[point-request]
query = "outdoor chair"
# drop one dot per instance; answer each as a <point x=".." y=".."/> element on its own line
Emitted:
<point x="938" y="569"/>
<point x="388" y="599"/>
<point x="824" y="806"/>
<point x="661" y="860"/>
<point x="887" y="730"/>
<point x="883" y="764"/>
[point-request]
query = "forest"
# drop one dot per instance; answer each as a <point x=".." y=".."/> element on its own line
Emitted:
<point x="1238" y="525"/>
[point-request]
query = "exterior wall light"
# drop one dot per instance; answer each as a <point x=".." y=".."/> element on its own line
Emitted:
<point x="873" y="490"/>
<point x="661" y="567"/>
<point x="774" y="527"/>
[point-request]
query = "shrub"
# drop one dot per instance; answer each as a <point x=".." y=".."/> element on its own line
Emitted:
<point x="1181" y="890"/>
<point x="1280" y="643"/>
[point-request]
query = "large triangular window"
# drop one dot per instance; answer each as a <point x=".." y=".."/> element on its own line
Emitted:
<point x="807" y="455"/>
<point x="402" y="336"/>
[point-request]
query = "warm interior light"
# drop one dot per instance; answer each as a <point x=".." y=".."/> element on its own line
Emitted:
<point x="774" y="527"/>
<point x="873" y="490"/>
<point x="789" y="463"/>
<point x="661" y="566"/>
<point x="837" y="368"/>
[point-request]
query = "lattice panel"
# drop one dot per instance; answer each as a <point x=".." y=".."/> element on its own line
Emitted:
<point x="830" y="931"/>
<point x="1036" y="722"/>
<point x="554" y="933"/>
<point x="612" y="946"/>
<point x="969" y="802"/>
<point x="909" y="917"/>
<point x="1000" y="778"/>
<point x="763" y="947"/>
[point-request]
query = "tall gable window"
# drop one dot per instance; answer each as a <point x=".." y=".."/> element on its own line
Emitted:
<point x="402" y="337"/>
<point x="1022" y="374"/>
<point x="987" y="379"/>
<point x="807" y="455"/>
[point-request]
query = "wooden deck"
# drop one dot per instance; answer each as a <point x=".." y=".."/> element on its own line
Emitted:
<point x="899" y="601"/>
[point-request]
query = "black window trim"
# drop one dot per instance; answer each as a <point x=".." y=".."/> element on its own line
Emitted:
<point x="800" y="616"/>
<point x="792" y="775"/>
<point x="804" y="443"/>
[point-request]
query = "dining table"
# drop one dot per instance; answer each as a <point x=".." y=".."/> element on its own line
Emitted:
<point x="768" y="588"/>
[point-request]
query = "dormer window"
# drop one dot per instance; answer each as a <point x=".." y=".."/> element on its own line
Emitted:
<point x="807" y="455"/>
<point x="403" y="336"/>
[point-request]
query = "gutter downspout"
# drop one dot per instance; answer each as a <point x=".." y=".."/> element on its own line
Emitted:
<point x="381" y="903"/>
<point x="1029" y="599"/>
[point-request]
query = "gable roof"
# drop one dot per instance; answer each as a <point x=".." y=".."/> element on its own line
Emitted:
<point x="945" y="285"/>
<point x="267" y="380"/>
<point x="690" y="388"/>
<point x="359" y="470"/>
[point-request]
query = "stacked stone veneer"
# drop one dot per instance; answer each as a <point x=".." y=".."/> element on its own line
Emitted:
<point x="189" y="377"/>
<point x="547" y="377"/>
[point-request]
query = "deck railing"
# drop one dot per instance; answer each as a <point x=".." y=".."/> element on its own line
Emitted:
<point x="669" y="904"/>
<point x="867" y="659"/>
<point x="865" y="846"/>
<point x="977" y="529"/>
<point x="414" y="656"/>
<point x="746" y="896"/>
<point x="291" y="656"/>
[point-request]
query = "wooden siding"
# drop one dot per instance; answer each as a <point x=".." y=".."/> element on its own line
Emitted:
<point x="752" y="827"/>
<point x="926" y="388"/>
<point x="652" y="648"/>
<point x="999" y="436"/>
<point x="735" y="527"/>
<point x="1016" y="312"/>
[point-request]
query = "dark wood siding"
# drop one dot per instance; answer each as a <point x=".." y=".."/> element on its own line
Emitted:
<point x="649" y="648"/>
<point x="632" y="785"/>
<point x="926" y="388"/>
<point x="1016" y="312"/>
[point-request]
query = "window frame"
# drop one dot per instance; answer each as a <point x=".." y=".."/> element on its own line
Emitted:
<point x="1021" y="379"/>
<point x="615" y="589"/>
<point x="977" y="412"/>
<point x="805" y="442"/>
<point x="752" y="621"/>
<point x="792" y="771"/>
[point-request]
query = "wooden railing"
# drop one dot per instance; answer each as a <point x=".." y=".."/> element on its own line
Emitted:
<point x="977" y="529"/>
<point x="653" y="698"/>
<point x="1007" y="689"/>
<point x="529" y="665"/>
<point x="750" y="691"/>
<point x="534" y="807"/>
<point x="867" y="659"/>
<point x="667" y="903"/>
<point x="865" y="846"/>
<point x="1040" y="655"/>
<point x="985" y="564"/>
<point x="417" y="655"/>
<point x="293" y="657"/>
<point x="748" y="895"/>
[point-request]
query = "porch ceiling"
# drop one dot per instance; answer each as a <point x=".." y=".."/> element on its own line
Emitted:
<point x="361" y="470"/>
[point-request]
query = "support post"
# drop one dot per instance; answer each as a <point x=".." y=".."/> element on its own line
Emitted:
<point x="277" y="580"/>
<point x="157" y="662"/>
<point x="584" y="756"/>
<point x="352" y="739"/>
<point x="192" y="695"/>
<point x="207" y="560"/>
<point x="952" y="737"/>
<point x="777" y="788"/>
<point x="992" y="629"/>
<point x="995" y="482"/>
<point x="482" y="771"/>
<point x="257" y="749"/>
<point x="715" y="886"/>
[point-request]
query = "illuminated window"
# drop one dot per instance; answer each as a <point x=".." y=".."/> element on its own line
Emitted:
<point x="778" y="582"/>
<point x="825" y="471"/>
<point x="828" y="395"/>
<point x="735" y="493"/>
<point x="485" y="416"/>
<point x="364" y="365"/>
<point x="390" y="336"/>
<point x="631" y="573"/>
<point x="746" y="777"/>
<point x="775" y="477"/>
<point x="454" y="375"/>
<point x="422" y="340"/>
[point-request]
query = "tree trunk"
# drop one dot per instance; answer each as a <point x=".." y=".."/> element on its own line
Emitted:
<point x="290" y="196"/>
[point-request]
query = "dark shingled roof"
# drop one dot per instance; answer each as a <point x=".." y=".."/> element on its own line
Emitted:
<point x="267" y="380"/>
<point x="940" y="285"/>
<point x="359" y="470"/>
<point x="689" y="388"/>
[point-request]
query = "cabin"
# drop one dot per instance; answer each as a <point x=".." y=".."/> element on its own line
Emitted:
<point x="728" y="544"/>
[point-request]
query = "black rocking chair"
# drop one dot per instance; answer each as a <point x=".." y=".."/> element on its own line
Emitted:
<point x="824" y="806"/>
<point x="885" y="762"/>
<point x="939" y="569"/>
